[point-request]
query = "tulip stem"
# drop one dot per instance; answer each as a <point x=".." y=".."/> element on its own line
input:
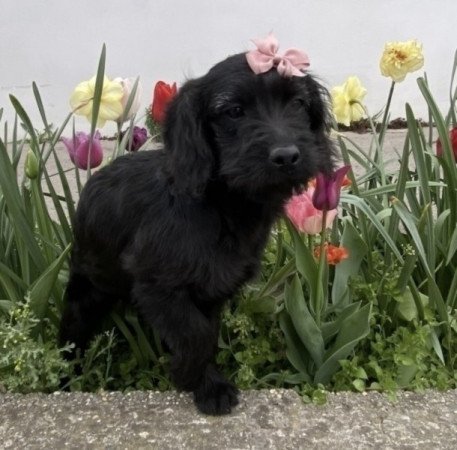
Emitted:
<point x="378" y="157"/>
<point x="117" y="149"/>
<point x="382" y="133"/>
<point x="89" y="156"/>
<point x="319" y="300"/>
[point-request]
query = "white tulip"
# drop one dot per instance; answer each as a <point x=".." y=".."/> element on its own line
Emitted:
<point x="127" y="86"/>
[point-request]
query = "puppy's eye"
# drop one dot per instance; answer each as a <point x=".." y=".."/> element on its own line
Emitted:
<point x="298" y="103"/>
<point x="235" y="112"/>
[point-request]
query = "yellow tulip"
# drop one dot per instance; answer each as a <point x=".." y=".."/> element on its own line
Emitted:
<point x="346" y="101"/>
<point x="81" y="100"/>
<point x="400" y="58"/>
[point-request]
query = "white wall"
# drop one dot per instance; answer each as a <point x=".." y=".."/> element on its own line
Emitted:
<point x="57" y="43"/>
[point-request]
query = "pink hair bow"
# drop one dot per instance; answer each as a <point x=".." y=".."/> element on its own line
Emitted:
<point x="292" y="63"/>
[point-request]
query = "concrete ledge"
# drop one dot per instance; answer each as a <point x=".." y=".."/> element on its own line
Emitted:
<point x="268" y="419"/>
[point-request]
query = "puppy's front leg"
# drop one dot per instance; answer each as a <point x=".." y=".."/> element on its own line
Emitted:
<point x="191" y="334"/>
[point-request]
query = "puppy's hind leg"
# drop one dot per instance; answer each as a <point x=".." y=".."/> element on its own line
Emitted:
<point x="191" y="335"/>
<point x="84" y="310"/>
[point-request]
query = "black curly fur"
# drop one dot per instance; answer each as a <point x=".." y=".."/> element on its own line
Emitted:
<point x="178" y="231"/>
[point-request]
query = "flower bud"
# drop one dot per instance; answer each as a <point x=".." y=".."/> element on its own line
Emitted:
<point x="31" y="165"/>
<point x="163" y="94"/>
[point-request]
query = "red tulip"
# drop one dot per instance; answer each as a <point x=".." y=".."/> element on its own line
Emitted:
<point x="163" y="93"/>
<point x="328" y="187"/>
<point x="453" y="139"/>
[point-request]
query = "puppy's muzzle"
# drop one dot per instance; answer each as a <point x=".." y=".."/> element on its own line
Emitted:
<point x="285" y="156"/>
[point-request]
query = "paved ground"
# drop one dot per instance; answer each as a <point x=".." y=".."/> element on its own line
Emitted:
<point x="275" y="419"/>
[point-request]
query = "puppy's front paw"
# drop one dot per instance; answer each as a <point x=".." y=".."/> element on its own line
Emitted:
<point x="215" y="395"/>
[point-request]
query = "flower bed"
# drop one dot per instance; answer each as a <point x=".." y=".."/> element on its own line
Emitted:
<point x="359" y="282"/>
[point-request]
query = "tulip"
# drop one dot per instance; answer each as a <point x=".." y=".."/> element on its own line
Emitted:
<point x="163" y="94"/>
<point x="327" y="193"/>
<point x="333" y="253"/>
<point x="79" y="148"/>
<point x="81" y="100"/>
<point x="139" y="137"/>
<point x="453" y="139"/>
<point x="304" y="216"/>
<point x="127" y="86"/>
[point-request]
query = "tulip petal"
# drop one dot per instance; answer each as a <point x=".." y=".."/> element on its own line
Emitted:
<point x="89" y="155"/>
<point x="163" y="94"/>
<point x="304" y="216"/>
<point x="70" y="144"/>
<point x="328" y="187"/>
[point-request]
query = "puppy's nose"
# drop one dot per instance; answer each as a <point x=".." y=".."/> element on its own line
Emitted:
<point x="287" y="155"/>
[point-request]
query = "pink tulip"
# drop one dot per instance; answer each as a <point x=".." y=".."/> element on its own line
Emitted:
<point x="305" y="217"/>
<point x="328" y="187"/>
<point x="78" y="148"/>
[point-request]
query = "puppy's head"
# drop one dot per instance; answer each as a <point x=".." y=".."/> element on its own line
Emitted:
<point x="258" y="134"/>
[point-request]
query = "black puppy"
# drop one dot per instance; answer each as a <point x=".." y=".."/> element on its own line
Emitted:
<point x="177" y="232"/>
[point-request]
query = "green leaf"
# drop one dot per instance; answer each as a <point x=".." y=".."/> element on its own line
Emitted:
<point x="39" y="103"/>
<point x="305" y="261"/>
<point x="359" y="385"/>
<point x="406" y="374"/>
<point x="308" y="268"/>
<point x="98" y="90"/>
<point x="331" y="329"/>
<point x="304" y="324"/>
<point x="296" y="351"/>
<point x="26" y="121"/>
<point x="349" y="267"/>
<point x="353" y="329"/>
<point x="12" y="284"/>
<point x="123" y="328"/>
<point x="452" y="247"/>
<point x="362" y="206"/>
<point x="143" y="342"/>
<point x="451" y="299"/>
<point x="260" y="305"/>
<point x="6" y="305"/>
<point x="277" y="278"/>
<point x="419" y="152"/>
<point x="23" y="231"/>
<point x="406" y="307"/>
<point x="40" y="290"/>
<point x="433" y="290"/>
<point x="447" y="161"/>
<point x="437" y="345"/>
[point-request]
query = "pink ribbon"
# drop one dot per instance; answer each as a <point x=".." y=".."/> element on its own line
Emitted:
<point x="292" y="63"/>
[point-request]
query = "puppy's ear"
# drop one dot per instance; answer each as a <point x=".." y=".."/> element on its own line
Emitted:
<point x="186" y="139"/>
<point x="318" y="104"/>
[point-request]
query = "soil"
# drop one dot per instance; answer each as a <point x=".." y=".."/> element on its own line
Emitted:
<point x="363" y="125"/>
